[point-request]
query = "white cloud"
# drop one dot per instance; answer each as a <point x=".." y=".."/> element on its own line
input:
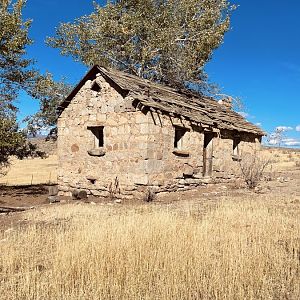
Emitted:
<point x="258" y="124"/>
<point x="291" y="142"/>
<point x="279" y="137"/>
<point x="288" y="140"/>
<point x="283" y="128"/>
<point x="298" y="128"/>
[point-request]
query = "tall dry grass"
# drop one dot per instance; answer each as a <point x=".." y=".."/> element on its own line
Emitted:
<point x="31" y="171"/>
<point x="241" y="250"/>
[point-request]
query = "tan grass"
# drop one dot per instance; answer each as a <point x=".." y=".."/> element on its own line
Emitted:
<point x="31" y="171"/>
<point x="282" y="159"/>
<point x="242" y="250"/>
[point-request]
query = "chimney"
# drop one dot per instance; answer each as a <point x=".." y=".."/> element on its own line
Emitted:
<point x="226" y="102"/>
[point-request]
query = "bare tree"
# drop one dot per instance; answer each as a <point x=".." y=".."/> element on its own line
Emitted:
<point x="276" y="137"/>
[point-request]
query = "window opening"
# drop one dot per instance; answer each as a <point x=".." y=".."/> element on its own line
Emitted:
<point x="96" y="87"/>
<point x="236" y="142"/>
<point x="98" y="133"/>
<point x="178" y="140"/>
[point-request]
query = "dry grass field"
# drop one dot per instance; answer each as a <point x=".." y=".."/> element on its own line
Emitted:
<point x="31" y="171"/>
<point x="282" y="159"/>
<point x="245" y="249"/>
<point x="215" y="243"/>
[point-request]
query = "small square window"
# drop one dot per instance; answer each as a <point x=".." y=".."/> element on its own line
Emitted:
<point x="98" y="133"/>
<point x="96" y="87"/>
<point x="178" y="139"/>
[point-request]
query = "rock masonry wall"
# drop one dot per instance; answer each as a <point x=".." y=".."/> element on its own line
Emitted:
<point x="171" y="170"/>
<point x="138" y="152"/>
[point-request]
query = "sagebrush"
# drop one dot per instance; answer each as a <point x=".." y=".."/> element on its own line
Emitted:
<point x="252" y="167"/>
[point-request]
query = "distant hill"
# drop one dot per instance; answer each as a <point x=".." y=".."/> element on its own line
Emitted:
<point x="49" y="147"/>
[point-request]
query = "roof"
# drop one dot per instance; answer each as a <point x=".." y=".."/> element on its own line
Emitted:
<point x="204" y="110"/>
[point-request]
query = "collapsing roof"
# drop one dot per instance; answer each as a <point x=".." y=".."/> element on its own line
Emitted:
<point x="200" y="109"/>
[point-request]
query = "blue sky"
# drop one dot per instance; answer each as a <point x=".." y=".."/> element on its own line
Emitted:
<point x="259" y="60"/>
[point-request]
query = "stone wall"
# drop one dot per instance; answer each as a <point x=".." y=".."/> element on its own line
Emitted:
<point x="171" y="170"/>
<point x="138" y="151"/>
<point x="226" y="164"/>
<point x="125" y="143"/>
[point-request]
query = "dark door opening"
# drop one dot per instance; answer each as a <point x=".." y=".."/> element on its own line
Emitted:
<point x="208" y="154"/>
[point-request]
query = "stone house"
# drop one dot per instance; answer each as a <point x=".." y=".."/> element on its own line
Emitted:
<point x="121" y="134"/>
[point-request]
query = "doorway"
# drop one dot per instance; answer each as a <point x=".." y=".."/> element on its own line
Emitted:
<point x="208" y="154"/>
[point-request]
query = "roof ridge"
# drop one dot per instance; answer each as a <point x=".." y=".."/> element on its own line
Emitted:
<point x="198" y="108"/>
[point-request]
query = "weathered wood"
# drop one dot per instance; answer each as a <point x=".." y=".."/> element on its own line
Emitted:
<point x="202" y="109"/>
